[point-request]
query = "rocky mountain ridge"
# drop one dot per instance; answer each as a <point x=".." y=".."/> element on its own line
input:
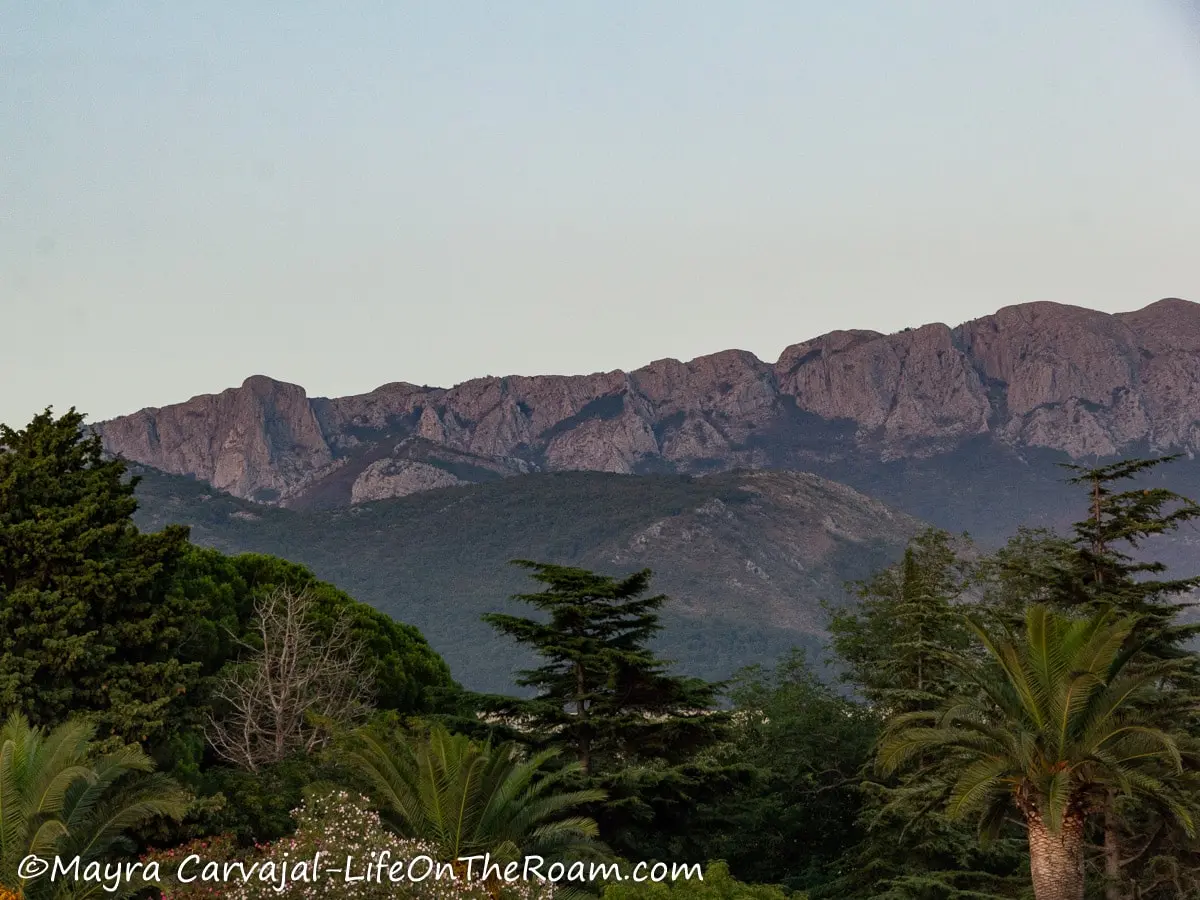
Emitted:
<point x="1038" y="375"/>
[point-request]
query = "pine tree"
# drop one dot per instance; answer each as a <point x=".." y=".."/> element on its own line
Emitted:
<point x="1031" y="568"/>
<point x="605" y="700"/>
<point x="86" y="620"/>
<point x="600" y="692"/>
<point x="901" y="648"/>
<point x="1103" y="572"/>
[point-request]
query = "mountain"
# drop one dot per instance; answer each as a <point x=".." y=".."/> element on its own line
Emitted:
<point x="745" y="557"/>
<point x="415" y="498"/>
<point x="1031" y="378"/>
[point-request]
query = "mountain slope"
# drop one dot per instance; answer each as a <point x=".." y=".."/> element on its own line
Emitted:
<point x="1039" y="376"/>
<point x="745" y="556"/>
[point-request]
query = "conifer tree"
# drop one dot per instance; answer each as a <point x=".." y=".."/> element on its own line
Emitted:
<point x="605" y="699"/>
<point x="901" y="647"/>
<point x="1102" y="571"/>
<point x="86" y="623"/>
<point x="899" y="643"/>
<point x="600" y="691"/>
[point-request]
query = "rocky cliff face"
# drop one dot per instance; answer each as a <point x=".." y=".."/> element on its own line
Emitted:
<point x="1036" y="375"/>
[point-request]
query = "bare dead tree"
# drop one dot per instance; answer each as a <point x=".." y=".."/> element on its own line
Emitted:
<point x="291" y="694"/>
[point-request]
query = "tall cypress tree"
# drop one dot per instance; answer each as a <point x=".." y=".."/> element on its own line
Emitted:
<point x="87" y="625"/>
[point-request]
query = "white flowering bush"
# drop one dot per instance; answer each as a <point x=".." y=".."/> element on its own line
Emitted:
<point x="360" y="858"/>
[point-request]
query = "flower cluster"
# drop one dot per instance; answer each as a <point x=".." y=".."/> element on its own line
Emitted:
<point x="341" y="827"/>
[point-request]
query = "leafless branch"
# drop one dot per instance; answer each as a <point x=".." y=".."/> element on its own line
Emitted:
<point x="293" y="692"/>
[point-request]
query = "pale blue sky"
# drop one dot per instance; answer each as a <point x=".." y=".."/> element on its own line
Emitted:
<point x="347" y="194"/>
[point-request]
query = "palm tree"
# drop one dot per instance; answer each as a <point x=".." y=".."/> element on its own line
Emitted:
<point x="468" y="798"/>
<point x="1059" y="719"/>
<point x="59" y="799"/>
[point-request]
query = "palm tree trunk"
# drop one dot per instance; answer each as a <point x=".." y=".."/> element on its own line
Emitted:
<point x="1056" y="860"/>
<point x="1112" y="852"/>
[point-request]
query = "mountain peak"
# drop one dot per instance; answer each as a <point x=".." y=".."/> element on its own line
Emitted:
<point x="1036" y="375"/>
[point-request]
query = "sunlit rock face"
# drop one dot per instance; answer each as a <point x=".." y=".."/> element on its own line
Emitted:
<point x="1036" y="375"/>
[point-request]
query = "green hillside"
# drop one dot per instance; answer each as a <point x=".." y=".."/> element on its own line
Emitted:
<point x="745" y="557"/>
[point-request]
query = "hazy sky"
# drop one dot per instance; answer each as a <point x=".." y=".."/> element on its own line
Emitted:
<point x="347" y="194"/>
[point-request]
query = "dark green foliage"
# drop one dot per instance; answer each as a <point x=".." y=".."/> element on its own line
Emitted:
<point x="899" y="645"/>
<point x="1056" y="720"/>
<point x="257" y="806"/>
<point x="599" y="691"/>
<point x="1100" y="572"/>
<point x="467" y="798"/>
<point x="409" y="677"/>
<point x="793" y="821"/>
<point x="440" y="559"/>
<point x="609" y="703"/>
<point x="1103" y="572"/>
<point x="1104" y="563"/>
<point x="61" y="795"/>
<point x="902" y="648"/>
<point x="129" y="630"/>
<point x="406" y="667"/>
<point x="88" y="620"/>
<point x="658" y="811"/>
<point x="408" y="674"/>
<point x="1028" y="569"/>
<point x="221" y="592"/>
<point x="1110" y="562"/>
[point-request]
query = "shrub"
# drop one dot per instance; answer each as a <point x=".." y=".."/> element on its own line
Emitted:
<point x="342" y="828"/>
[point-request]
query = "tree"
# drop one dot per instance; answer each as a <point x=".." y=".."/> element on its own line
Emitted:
<point x="59" y="798"/>
<point x="223" y="592"/>
<point x="607" y="701"/>
<point x="87" y="620"/>
<point x="600" y="691"/>
<point x="1057" y="720"/>
<point x="1104" y="573"/>
<point x="469" y="799"/>
<point x="900" y="648"/>
<point x="1104" y="565"/>
<point x="806" y="744"/>
<point x="409" y="675"/>
<point x="899" y="644"/>
<point x="1030" y="568"/>
<point x="294" y="691"/>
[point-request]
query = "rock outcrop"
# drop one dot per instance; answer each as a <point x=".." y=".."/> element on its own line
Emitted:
<point x="1036" y="375"/>
<point x="258" y="441"/>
